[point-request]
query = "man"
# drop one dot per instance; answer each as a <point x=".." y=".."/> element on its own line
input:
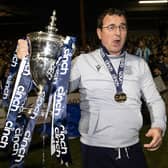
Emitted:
<point x="111" y="83"/>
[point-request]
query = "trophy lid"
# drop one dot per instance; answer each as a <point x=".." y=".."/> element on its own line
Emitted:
<point x="49" y="34"/>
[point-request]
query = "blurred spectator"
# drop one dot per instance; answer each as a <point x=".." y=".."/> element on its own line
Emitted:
<point x="143" y="50"/>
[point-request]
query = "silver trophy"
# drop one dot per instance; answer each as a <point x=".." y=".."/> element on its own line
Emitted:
<point x="45" y="48"/>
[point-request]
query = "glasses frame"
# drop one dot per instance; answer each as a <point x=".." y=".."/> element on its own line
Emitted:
<point x="112" y="27"/>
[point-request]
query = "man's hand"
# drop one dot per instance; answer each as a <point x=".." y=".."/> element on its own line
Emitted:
<point x="156" y="134"/>
<point x="22" y="49"/>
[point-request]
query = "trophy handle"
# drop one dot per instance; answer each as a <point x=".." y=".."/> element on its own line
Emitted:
<point x="29" y="45"/>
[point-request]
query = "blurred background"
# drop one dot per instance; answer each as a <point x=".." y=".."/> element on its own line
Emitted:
<point x="147" y="25"/>
<point x="78" y="17"/>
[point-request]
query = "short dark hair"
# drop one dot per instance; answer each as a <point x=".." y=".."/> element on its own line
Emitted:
<point x="110" y="11"/>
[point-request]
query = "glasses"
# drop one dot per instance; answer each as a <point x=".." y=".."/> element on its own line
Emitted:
<point x="113" y="27"/>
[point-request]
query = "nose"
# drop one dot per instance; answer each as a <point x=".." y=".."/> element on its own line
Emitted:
<point x="117" y="30"/>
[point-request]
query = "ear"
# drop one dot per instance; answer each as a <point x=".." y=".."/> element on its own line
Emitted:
<point x="99" y="33"/>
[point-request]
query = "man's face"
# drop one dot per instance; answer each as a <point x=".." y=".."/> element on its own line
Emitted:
<point x="113" y="33"/>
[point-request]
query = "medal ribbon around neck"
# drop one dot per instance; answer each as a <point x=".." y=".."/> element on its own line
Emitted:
<point x="116" y="76"/>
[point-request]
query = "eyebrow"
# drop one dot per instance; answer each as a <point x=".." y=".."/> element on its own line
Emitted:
<point x="112" y="24"/>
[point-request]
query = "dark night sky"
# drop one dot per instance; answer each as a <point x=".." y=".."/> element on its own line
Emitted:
<point x="33" y="15"/>
<point x="68" y="11"/>
<point x="28" y="16"/>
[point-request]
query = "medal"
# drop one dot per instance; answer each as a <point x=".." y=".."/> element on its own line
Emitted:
<point x="120" y="97"/>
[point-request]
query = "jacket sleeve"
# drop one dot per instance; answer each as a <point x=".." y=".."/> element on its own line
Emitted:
<point x="152" y="97"/>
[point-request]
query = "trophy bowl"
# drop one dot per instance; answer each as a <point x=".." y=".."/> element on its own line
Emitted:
<point x="45" y="48"/>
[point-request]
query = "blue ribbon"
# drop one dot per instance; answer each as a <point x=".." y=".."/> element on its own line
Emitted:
<point x="21" y="123"/>
<point x="59" y="137"/>
<point x="26" y="139"/>
<point x="22" y="86"/>
<point x="116" y="76"/>
<point x="9" y="81"/>
<point x="18" y="128"/>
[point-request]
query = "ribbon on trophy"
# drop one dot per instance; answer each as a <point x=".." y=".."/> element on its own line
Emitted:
<point x="59" y="92"/>
<point x="9" y="81"/>
<point x="20" y="126"/>
<point x="48" y="68"/>
<point x="19" y="129"/>
<point x="59" y="138"/>
<point x="22" y="86"/>
<point x="26" y="137"/>
<point x="16" y="120"/>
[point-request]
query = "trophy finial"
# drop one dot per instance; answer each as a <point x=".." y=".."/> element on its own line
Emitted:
<point x="51" y="28"/>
